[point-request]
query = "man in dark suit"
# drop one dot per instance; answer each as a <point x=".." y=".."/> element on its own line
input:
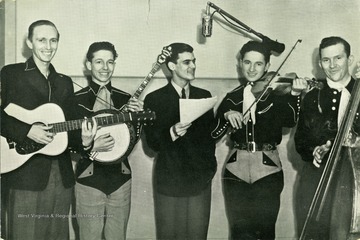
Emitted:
<point x="186" y="163"/>
<point x="40" y="190"/>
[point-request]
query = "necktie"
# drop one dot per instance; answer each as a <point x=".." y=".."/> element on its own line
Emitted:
<point x="249" y="99"/>
<point x="103" y="99"/>
<point x="183" y="94"/>
<point x="344" y="98"/>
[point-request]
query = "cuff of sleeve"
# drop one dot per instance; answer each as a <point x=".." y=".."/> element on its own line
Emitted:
<point x="173" y="134"/>
<point x="295" y="93"/>
<point x="88" y="148"/>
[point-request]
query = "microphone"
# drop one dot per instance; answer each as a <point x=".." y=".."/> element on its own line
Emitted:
<point x="273" y="45"/>
<point x="207" y="23"/>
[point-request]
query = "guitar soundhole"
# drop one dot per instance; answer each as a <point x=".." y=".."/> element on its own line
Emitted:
<point x="28" y="146"/>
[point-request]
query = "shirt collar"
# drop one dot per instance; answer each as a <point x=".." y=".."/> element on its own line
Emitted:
<point x="96" y="87"/>
<point x="30" y="65"/>
<point x="336" y="85"/>
<point x="179" y="89"/>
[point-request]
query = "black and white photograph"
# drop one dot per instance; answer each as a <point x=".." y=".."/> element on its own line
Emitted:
<point x="180" y="120"/>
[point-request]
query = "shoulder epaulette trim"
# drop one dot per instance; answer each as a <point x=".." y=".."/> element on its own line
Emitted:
<point x="236" y="89"/>
<point x="120" y="91"/>
<point x="83" y="91"/>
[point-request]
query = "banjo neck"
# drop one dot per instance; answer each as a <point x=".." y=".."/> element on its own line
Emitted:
<point x="160" y="60"/>
<point x="146" y="80"/>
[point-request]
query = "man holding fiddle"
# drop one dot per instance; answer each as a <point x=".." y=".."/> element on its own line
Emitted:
<point x="253" y="178"/>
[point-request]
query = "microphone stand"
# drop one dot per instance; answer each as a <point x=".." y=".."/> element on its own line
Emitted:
<point x="281" y="46"/>
<point x="247" y="28"/>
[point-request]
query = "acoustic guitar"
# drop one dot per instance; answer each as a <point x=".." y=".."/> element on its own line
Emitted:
<point x="13" y="155"/>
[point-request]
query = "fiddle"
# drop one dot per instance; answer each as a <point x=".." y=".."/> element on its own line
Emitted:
<point x="273" y="81"/>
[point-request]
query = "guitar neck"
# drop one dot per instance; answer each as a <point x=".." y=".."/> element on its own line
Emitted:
<point x="110" y="119"/>
<point x="101" y="121"/>
<point x="146" y="80"/>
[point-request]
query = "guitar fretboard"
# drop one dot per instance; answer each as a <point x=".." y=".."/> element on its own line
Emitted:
<point x="101" y="121"/>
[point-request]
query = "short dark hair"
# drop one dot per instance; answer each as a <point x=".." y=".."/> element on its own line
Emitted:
<point x="257" y="47"/>
<point x="97" y="46"/>
<point x="40" y="23"/>
<point x="176" y="49"/>
<point x="333" y="40"/>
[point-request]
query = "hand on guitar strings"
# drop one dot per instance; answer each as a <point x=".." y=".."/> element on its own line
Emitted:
<point x="134" y="105"/>
<point x="104" y="143"/>
<point x="41" y="134"/>
<point x="319" y="153"/>
<point x="88" y="131"/>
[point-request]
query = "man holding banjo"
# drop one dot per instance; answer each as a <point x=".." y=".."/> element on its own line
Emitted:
<point x="104" y="187"/>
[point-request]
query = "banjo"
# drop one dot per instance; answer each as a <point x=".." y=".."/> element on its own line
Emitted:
<point x="125" y="134"/>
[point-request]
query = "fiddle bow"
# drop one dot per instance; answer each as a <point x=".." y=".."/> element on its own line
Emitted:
<point x="267" y="86"/>
<point x="222" y="126"/>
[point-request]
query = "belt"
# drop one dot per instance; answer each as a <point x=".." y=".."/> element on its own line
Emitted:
<point x="253" y="146"/>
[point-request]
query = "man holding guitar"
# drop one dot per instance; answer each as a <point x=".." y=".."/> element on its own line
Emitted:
<point x="40" y="190"/>
<point x="104" y="187"/>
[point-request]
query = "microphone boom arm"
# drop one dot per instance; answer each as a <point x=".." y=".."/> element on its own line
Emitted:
<point x="277" y="47"/>
<point x="247" y="28"/>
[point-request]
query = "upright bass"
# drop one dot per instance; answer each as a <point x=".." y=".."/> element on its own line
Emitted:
<point x="341" y="175"/>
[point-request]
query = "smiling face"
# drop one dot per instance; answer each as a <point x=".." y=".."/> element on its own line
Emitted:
<point x="335" y="63"/>
<point x="253" y="66"/>
<point x="43" y="43"/>
<point x="184" y="69"/>
<point x="101" y="66"/>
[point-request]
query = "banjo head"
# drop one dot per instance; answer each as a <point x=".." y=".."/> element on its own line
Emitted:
<point x="121" y="135"/>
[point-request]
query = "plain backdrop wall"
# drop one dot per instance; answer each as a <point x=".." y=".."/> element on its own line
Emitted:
<point x="140" y="29"/>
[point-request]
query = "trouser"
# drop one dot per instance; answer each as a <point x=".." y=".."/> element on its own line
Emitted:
<point x="41" y="215"/>
<point x="309" y="180"/>
<point x="252" y="209"/>
<point x="182" y="217"/>
<point x="101" y="215"/>
<point x="334" y="220"/>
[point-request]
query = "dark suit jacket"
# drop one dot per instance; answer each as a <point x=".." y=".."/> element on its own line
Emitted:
<point x="24" y="85"/>
<point x="186" y="166"/>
